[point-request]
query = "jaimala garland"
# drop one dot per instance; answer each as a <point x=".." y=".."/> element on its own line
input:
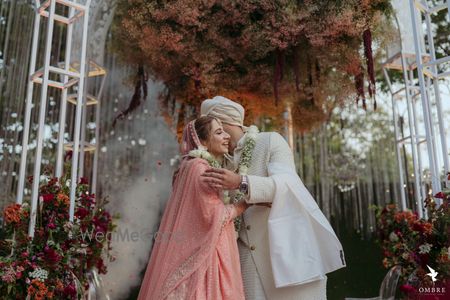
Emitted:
<point x="243" y="166"/>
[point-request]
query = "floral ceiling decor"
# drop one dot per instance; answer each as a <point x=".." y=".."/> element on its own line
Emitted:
<point x="310" y="54"/>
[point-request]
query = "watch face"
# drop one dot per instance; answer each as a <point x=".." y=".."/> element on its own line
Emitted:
<point x="243" y="188"/>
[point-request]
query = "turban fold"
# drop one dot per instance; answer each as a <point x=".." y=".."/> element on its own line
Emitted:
<point x="227" y="111"/>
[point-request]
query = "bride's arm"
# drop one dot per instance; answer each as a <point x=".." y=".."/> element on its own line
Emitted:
<point x="231" y="211"/>
<point x="239" y="208"/>
<point x="261" y="189"/>
<point x="234" y="210"/>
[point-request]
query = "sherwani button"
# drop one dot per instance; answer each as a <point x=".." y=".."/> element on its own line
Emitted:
<point x="252" y="247"/>
<point x="248" y="227"/>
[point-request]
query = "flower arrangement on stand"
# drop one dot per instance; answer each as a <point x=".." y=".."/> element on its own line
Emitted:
<point x="420" y="246"/>
<point x="55" y="263"/>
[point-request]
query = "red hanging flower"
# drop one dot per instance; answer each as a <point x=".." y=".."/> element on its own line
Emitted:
<point x="440" y="195"/>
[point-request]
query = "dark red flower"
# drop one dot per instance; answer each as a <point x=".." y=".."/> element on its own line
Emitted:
<point x="406" y="288"/>
<point x="51" y="255"/>
<point x="52" y="181"/>
<point x="68" y="155"/>
<point x="440" y="195"/>
<point x="48" y="198"/>
<point x="70" y="290"/>
<point x="101" y="266"/>
<point x="423" y="259"/>
<point x="418" y="227"/>
<point x="83" y="180"/>
<point x="81" y="213"/>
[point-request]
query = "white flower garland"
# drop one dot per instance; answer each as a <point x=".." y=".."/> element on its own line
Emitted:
<point x="204" y="154"/>
<point x="243" y="166"/>
<point x="247" y="151"/>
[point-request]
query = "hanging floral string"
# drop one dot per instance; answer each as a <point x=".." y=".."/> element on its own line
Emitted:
<point x="359" y="85"/>
<point x="367" y="38"/>
<point x="136" y="99"/>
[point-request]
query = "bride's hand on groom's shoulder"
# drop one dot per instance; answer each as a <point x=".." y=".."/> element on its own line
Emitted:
<point x="224" y="179"/>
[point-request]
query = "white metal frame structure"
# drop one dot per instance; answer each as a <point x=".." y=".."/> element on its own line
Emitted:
<point x="429" y="76"/>
<point x="424" y="62"/>
<point x="400" y="59"/>
<point x="78" y="12"/>
<point x="94" y="71"/>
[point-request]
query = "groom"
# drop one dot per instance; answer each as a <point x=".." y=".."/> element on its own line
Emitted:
<point x="286" y="245"/>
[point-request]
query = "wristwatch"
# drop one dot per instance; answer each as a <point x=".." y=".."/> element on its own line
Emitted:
<point x="243" y="186"/>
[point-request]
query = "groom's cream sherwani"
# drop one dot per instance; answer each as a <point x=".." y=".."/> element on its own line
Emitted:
<point x="254" y="235"/>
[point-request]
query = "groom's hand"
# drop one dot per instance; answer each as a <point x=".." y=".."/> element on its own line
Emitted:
<point x="222" y="179"/>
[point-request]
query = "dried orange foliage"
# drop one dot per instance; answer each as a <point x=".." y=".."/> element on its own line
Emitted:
<point x="261" y="51"/>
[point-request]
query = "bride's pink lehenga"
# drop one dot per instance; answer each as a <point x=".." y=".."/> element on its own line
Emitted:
<point x="195" y="255"/>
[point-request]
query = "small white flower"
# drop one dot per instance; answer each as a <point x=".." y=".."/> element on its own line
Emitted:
<point x="39" y="274"/>
<point x="206" y="156"/>
<point x="425" y="248"/>
<point x="226" y="197"/>
<point x="68" y="226"/>
<point x="202" y="148"/>
<point x="252" y="132"/>
<point x="195" y="153"/>
<point x="243" y="170"/>
<point x="81" y="251"/>
<point x="393" y="237"/>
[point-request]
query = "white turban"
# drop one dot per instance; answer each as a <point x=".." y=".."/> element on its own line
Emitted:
<point x="227" y="111"/>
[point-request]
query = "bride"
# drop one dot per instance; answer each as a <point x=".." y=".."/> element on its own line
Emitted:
<point x="195" y="255"/>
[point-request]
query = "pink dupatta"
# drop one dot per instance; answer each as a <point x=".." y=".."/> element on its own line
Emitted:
<point x="185" y="246"/>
